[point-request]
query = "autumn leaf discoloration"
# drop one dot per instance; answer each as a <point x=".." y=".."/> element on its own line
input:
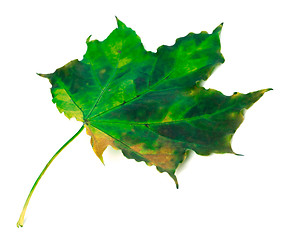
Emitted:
<point x="152" y="106"/>
<point x="99" y="141"/>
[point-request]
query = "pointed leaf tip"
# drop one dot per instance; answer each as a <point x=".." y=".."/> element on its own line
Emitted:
<point x="239" y="154"/>
<point x="43" y="75"/>
<point x="218" y="29"/>
<point x="101" y="159"/>
<point x="120" y="23"/>
<point x="88" y="39"/>
<point x="265" y="90"/>
<point x="173" y="176"/>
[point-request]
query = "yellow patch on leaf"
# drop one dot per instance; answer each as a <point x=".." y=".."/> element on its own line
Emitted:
<point x="99" y="141"/>
<point x="124" y="61"/>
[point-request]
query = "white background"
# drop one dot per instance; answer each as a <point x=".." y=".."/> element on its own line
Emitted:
<point x="220" y="196"/>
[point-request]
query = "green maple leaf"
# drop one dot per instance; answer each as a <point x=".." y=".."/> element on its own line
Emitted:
<point x="149" y="105"/>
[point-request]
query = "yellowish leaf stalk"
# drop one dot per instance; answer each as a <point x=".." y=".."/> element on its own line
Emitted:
<point x="21" y="218"/>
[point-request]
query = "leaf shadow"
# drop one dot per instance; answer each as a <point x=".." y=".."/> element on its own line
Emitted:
<point x="182" y="165"/>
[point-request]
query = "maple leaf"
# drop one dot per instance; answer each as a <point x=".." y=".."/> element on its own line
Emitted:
<point x="149" y="105"/>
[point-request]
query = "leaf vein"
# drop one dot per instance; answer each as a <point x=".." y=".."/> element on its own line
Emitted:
<point x="132" y="99"/>
<point x="63" y="87"/>
<point x="105" y="87"/>
<point x="126" y="145"/>
<point x="172" y="121"/>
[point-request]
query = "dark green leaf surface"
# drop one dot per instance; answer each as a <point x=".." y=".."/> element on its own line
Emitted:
<point x="151" y="105"/>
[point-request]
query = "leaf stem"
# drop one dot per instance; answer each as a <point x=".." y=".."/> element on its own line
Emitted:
<point x="21" y="218"/>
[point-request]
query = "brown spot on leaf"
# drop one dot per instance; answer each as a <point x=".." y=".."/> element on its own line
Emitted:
<point x="102" y="72"/>
<point x="164" y="156"/>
